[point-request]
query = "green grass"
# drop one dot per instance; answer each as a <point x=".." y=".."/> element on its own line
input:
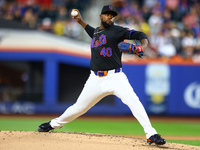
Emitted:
<point x="187" y="142"/>
<point x="180" y="129"/>
<point x="116" y="127"/>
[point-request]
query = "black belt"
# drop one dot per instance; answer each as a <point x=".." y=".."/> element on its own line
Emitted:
<point x="105" y="73"/>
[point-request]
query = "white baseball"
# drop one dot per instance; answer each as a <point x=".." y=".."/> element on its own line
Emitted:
<point x="74" y="13"/>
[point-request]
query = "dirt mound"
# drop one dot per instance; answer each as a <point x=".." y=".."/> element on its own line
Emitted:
<point x="20" y="140"/>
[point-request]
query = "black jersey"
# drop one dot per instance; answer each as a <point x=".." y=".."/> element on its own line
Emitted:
<point x="105" y="55"/>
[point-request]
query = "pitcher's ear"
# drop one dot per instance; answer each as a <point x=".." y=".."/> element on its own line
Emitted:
<point x="100" y="16"/>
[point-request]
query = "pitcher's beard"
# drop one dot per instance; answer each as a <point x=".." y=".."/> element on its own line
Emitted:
<point x="106" y="25"/>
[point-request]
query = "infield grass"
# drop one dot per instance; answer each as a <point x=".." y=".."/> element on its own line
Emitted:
<point x="115" y="127"/>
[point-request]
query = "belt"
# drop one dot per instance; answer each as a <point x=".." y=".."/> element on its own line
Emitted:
<point x="105" y="73"/>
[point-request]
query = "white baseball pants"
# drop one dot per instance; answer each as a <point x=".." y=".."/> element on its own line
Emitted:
<point x="95" y="89"/>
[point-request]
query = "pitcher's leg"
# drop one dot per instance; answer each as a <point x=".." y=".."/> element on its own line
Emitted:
<point x="89" y="96"/>
<point x="125" y="92"/>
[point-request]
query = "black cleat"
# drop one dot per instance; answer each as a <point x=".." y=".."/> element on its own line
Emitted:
<point x="156" y="138"/>
<point x="45" y="127"/>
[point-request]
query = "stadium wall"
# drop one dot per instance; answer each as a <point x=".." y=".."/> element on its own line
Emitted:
<point x="162" y="88"/>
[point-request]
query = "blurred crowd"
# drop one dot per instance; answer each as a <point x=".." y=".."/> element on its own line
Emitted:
<point x="48" y="15"/>
<point x="172" y="26"/>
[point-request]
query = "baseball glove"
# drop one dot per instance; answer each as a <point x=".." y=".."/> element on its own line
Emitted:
<point x="130" y="48"/>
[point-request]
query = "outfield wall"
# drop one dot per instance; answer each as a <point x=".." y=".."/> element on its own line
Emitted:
<point x="168" y="89"/>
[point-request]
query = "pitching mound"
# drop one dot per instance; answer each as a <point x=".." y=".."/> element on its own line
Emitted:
<point x="30" y="140"/>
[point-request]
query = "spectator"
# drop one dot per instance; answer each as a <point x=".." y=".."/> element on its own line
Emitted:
<point x="165" y="46"/>
<point x="175" y="35"/>
<point x="59" y="27"/>
<point x="62" y="14"/>
<point x="155" y="21"/>
<point x="196" y="57"/>
<point x="16" y="16"/>
<point x="73" y="30"/>
<point x="144" y="27"/>
<point x="29" y="19"/>
<point x="46" y="25"/>
<point x="188" y="44"/>
<point x="146" y="12"/>
<point x="190" y="18"/>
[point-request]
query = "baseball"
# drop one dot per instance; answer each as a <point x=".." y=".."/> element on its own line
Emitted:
<point x="74" y="13"/>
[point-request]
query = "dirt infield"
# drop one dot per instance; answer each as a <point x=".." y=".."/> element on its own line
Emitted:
<point x="31" y="140"/>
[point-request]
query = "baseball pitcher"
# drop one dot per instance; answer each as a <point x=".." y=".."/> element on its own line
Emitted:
<point x="106" y="77"/>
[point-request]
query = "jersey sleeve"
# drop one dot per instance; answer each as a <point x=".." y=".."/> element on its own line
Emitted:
<point x="122" y="33"/>
<point x="130" y="34"/>
<point x="89" y="30"/>
<point x="138" y="35"/>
